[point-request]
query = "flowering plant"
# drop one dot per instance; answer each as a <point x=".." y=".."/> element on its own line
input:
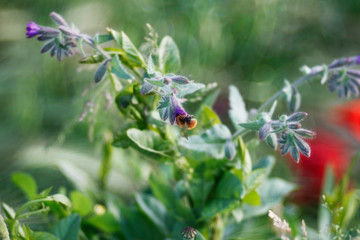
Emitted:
<point x="208" y="185"/>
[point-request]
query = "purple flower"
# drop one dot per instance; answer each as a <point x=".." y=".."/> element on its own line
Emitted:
<point x="32" y="29"/>
<point x="358" y="59"/>
<point x="175" y="109"/>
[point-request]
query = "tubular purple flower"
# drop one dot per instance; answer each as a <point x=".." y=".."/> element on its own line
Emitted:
<point x="177" y="109"/>
<point x="32" y="29"/>
<point x="358" y="59"/>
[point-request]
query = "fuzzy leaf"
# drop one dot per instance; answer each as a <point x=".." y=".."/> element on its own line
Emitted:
<point x="169" y="56"/>
<point x="102" y="38"/>
<point x="272" y="192"/>
<point x="148" y="140"/>
<point x="150" y="67"/>
<point x="187" y="89"/>
<point x="116" y="36"/>
<point x="67" y="228"/>
<point x="208" y="117"/>
<point x="132" y="55"/>
<point x="237" y="113"/>
<point x="100" y="72"/>
<point x="211" y="141"/>
<point x="118" y="69"/>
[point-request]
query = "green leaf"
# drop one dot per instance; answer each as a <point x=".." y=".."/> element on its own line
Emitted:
<point x="245" y="159"/>
<point x="67" y="228"/>
<point x="267" y="163"/>
<point x="4" y="233"/>
<point x="135" y="225"/>
<point x="287" y="89"/>
<point x="150" y="66"/>
<point x="254" y="125"/>
<point x="61" y="199"/>
<point x="118" y="69"/>
<point x="237" y="113"/>
<point x="100" y="72"/>
<point x="230" y="186"/>
<point x="124" y="97"/>
<point x="324" y="219"/>
<point x="148" y="140"/>
<point x="43" y="236"/>
<point x="230" y="149"/>
<point x="199" y="190"/>
<point x="167" y="196"/>
<point x="187" y="89"/>
<point x="272" y="192"/>
<point x="208" y="117"/>
<point x="217" y="206"/>
<point x="80" y="203"/>
<point x="132" y="55"/>
<point x="102" y="38"/>
<point x="169" y="56"/>
<point x="9" y="211"/>
<point x="155" y="82"/>
<point x="252" y="198"/>
<point x="325" y="75"/>
<point x="116" y="35"/>
<point x="227" y="196"/>
<point x="155" y="211"/>
<point x="212" y="141"/>
<point x="105" y="222"/>
<point x="255" y="178"/>
<point x="26" y="183"/>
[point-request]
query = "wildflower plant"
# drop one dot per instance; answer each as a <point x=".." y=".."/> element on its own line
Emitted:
<point x="208" y="184"/>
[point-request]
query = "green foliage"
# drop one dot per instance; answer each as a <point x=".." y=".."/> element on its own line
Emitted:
<point x="211" y="142"/>
<point x="212" y="181"/>
<point x="67" y="228"/>
<point x="26" y="183"/>
<point x="169" y="56"/>
<point x="237" y="113"/>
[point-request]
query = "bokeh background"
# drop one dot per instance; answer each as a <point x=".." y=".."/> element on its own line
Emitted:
<point x="253" y="45"/>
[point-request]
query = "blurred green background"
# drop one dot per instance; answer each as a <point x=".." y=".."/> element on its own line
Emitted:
<point x="254" y="45"/>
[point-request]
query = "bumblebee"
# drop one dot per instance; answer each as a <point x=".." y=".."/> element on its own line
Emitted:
<point x="186" y="122"/>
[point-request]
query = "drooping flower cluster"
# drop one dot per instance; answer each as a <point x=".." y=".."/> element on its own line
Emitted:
<point x="291" y="134"/>
<point x="57" y="43"/>
<point x="345" y="83"/>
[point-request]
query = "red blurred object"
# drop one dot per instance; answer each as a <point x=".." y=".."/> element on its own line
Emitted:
<point x="326" y="149"/>
<point x="348" y="116"/>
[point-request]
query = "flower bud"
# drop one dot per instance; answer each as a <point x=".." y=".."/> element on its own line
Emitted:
<point x="296" y="117"/>
<point x="48" y="46"/>
<point x="264" y="130"/>
<point x="230" y="150"/>
<point x="58" y="19"/>
<point x="305" y="133"/>
<point x="180" y="80"/>
<point x="302" y="146"/>
<point x="188" y="233"/>
<point x="294" y="125"/>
